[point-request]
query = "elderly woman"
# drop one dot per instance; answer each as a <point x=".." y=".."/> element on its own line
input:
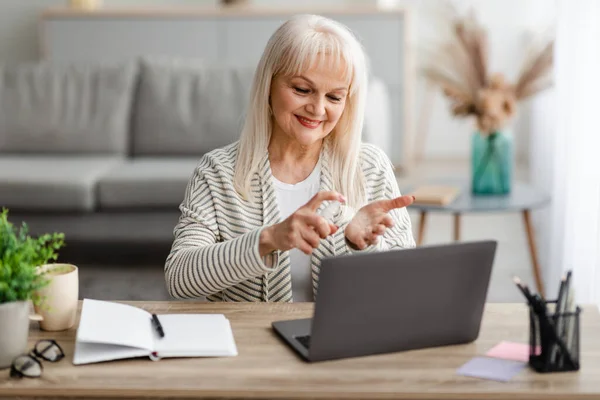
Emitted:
<point x="256" y="218"/>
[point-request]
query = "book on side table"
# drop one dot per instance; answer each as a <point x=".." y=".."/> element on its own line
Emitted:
<point x="111" y="331"/>
<point x="438" y="195"/>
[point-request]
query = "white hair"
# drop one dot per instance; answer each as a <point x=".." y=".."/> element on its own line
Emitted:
<point x="296" y="45"/>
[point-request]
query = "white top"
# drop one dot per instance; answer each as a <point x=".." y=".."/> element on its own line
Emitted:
<point x="289" y="199"/>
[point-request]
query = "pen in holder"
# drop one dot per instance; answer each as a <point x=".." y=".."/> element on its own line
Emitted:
<point x="554" y="339"/>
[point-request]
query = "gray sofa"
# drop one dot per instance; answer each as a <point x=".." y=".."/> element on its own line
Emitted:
<point x="103" y="153"/>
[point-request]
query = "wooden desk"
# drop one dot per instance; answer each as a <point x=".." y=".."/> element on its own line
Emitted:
<point x="266" y="368"/>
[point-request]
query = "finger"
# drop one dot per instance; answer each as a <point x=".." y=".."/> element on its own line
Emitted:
<point x="387" y="221"/>
<point x="398" y="202"/>
<point x="373" y="241"/>
<point x="370" y="238"/>
<point x="379" y="229"/>
<point x="322" y="227"/>
<point x="360" y="244"/>
<point x="311" y="237"/>
<point x="314" y="203"/>
<point x="304" y="247"/>
<point x="333" y="228"/>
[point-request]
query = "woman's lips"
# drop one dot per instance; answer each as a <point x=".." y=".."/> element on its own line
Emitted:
<point x="309" y="123"/>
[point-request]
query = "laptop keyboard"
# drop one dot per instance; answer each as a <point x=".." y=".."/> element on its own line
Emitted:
<point x="304" y="340"/>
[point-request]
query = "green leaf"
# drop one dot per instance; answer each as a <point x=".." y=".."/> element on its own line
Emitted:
<point x="20" y="255"/>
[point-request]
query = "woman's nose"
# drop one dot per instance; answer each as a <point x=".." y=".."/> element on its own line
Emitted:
<point x="316" y="107"/>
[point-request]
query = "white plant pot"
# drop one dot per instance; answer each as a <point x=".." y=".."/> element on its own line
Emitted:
<point x="14" y="331"/>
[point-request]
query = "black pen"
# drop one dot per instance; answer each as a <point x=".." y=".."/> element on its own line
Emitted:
<point x="544" y="326"/>
<point x="560" y="298"/>
<point x="524" y="289"/>
<point x="158" y="326"/>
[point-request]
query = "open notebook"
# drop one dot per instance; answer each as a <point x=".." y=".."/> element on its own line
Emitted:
<point x="111" y="331"/>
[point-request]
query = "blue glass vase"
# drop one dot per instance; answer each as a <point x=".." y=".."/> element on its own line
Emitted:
<point x="491" y="163"/>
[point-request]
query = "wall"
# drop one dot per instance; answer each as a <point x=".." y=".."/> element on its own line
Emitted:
<point x="596" y="299"/>
<point x="508" y="23"/>
<point x="18" y="23"/>
<point x="598" y="267"/>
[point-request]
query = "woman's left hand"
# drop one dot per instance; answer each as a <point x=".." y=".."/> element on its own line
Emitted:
<point x="372" y="220"/>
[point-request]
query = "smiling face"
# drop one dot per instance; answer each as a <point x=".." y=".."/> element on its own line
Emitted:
<point x="306" y="107"/>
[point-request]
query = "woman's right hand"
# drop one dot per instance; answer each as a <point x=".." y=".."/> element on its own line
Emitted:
<point x="302" y="230"/>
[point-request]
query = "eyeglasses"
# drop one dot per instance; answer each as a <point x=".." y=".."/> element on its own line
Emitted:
<point x="29" y="365"/>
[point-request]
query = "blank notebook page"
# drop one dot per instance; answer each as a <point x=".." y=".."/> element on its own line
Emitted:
<point x="115" y="323"/>
<point x="195" y="335"/>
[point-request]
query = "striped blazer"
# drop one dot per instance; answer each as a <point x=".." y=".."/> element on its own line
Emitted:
<point x="215" y="248"/>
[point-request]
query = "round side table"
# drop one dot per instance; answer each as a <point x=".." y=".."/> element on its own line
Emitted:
<point x="523" y="198"/>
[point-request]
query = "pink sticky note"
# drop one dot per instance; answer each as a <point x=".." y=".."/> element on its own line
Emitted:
<point x="511" y="351"/>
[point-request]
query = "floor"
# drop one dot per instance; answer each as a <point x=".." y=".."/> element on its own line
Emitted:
<point x="145" y="281"/>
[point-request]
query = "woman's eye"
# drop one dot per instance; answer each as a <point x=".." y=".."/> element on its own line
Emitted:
<point x="335" y="98"/>
<point x="301" y="90"/>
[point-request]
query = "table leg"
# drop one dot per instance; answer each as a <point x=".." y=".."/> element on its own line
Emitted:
<point x="421" y="232"/>
<point x="533" y="253"/>
<point x="456" y="227"/>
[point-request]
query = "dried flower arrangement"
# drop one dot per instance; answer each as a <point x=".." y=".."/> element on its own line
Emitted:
<point x="460" y="68"/>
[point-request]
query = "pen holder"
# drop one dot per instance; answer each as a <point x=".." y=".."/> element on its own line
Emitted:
<point x="554" y="340"/>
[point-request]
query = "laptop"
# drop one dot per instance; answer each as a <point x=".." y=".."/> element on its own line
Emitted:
<point x="394" y="301"/>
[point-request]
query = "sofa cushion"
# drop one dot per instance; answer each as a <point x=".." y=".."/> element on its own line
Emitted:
<point x="188" y="108"/>
<point x="146" y="182"/>
<point x="66" y="108"/>
<point x="51" y="183"/>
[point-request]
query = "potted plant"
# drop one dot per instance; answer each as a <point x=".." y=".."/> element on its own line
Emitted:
<point x="20" y="279"/>
<point x="460" y="67"/>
